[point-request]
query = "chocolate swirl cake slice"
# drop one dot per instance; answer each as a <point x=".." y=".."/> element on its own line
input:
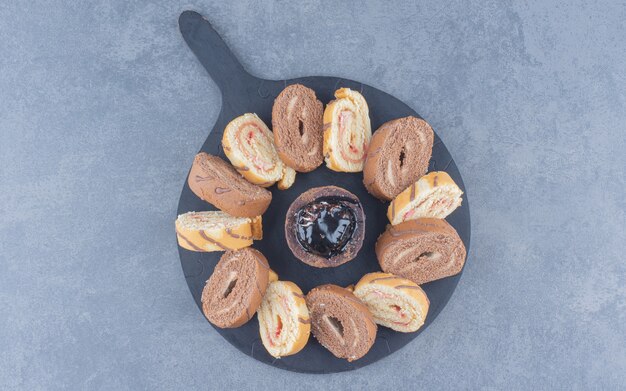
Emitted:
<point x="234" y="291"/>
<point x="217" y="182"/>
<point x="297" y="126"/>
<point x="421" y="250"/>
<point x="341" y="322"/>
<point x="395" y="302"/>
<point x="398" y="155"/>
<point x="284" y="321"/>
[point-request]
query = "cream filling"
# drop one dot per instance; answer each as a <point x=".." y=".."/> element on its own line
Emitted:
<point x="400" y="167"/>
<point x="392" y="308"/>
<point x="404" y="262"/>
<point x="278" y="320"/>
<point x="436" y="203"/>
<point x="304" y="136"/>
<point x="355" y="342"/>
<point x="252" y="143"/>
<point x="336" y="328"/>
<point x="407" y="256"/>
<point x="391" y="174"/>
<point x="291" y="105"/>
<point x="350" y="133"/>
<point x="226" y="290"/>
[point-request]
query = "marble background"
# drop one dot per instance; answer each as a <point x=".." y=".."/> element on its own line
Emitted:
<point x="103" y="107"/>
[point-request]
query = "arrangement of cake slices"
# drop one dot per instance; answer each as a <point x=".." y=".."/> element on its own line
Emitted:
<point x="324" y="226"/>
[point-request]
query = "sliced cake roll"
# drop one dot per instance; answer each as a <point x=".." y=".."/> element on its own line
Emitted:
<point x="421" y="250"/>
<point x="433" y="195"/>
<point x="216" y="231"/>
<point x="249" y="145"/>
<point x="341" y="322"/>
<point x="273" y="276"/>
<point x="217" y="182"/>
<point x="397" y="156"/>
<point x="256" y="227"/>
<point x="284" y="321"/>
<point x="289" y="177"/>
<point x="297" y="125"/>
<point x="347" y="131"/>
<point x="394" y="302"/>
<point x="234" y="291"/>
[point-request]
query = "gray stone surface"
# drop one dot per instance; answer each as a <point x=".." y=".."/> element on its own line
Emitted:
<point x="103" y="107"/>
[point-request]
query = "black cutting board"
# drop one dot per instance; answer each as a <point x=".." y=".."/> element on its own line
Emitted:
<point x="243" y="93"/>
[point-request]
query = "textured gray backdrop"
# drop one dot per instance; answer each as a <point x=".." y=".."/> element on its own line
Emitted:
<point x="102" y="108"/>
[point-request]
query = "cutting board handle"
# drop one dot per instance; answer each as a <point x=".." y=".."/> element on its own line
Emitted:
<point x="214" y="54"/>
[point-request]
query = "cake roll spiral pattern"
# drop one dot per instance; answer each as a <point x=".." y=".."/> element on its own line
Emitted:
<point x="433" y="195"/>
<point x="347" y="131"/>
<point x="216" y="231"/>
<point x="249" y="145"/>
<point x="397" y="156"/>
<point x="341" y="322"/>
<point x="284" y="321"/>
<point x="234" y="291"/>
<point x="297" y="126"/>
<point x="394" y="302"/>
<point x="421" y="250"/>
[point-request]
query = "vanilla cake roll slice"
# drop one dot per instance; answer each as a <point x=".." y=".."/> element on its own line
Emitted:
<point x="433" y="195"/>
<point x="273" y="276"/>
<point x="289" y="177"/>
<point x="398" y="155"/>
<point x="347" y="131"/>
<point x="256" y="227"/>
<point x="395" y="302"/>
<point x="249" y="145"/>
<point x="216" y="231"/>
<point x="284" y="321"/>
<point x="234" y="291"/>
<point x="341" y="322"/>
<point x="421" y="250"/>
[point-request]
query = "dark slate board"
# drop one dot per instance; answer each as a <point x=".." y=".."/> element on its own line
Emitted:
<point x="242" y="93"/>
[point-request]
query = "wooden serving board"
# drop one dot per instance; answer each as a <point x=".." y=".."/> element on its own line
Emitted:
<point x="242" y="93"/>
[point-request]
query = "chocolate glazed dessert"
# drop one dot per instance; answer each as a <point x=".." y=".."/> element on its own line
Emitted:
<point x="325" y="226"/>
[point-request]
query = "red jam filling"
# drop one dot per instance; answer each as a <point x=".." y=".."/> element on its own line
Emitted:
<point x="345" y="116"/>
<point x="257" y="161"/>
<point x="279" y="327"/>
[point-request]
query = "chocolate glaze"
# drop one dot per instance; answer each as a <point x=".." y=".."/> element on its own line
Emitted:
<point x="326" y="225"/>
<point x="221" y="190"/>
<point x="383" y="279"/>
<point x="408" y="287"/>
